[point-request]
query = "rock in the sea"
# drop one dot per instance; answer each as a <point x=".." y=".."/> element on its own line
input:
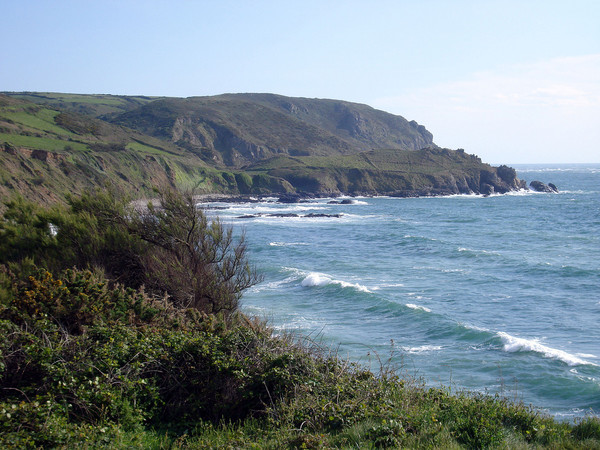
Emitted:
<point x="538" y="186"/>
<point x="283" y="215"/>
<point x="289" y="198"/>
<point x="346" y="201"/>
<point x="313" y="215"/>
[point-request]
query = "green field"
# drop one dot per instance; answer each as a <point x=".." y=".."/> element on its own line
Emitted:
<point x="42" y="143"/>
<point x="39" y="120"/>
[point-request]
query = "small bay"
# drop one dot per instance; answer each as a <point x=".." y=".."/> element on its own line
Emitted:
<point x="496" y="294"/>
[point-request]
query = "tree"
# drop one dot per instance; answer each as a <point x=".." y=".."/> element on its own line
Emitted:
<point x="195" y="260"/>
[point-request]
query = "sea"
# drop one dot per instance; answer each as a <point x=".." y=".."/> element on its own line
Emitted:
<point x="496" y="295"/>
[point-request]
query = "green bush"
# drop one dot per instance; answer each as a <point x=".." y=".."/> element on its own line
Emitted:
<point x="244" y="182"/>
<point x="195" y="260"/>
<point x="588" y="428"/>
<point x="171" y="249"/>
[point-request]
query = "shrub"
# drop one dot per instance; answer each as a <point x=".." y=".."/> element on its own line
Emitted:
<point x="170" y="248"/>
<point x="25" y="232"/>
<point x="588" y="428"/>
<point x="244" y="182"/>
<point x="193" y="259"/>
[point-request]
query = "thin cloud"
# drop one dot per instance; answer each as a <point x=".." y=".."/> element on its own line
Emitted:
<point x="572" y="81"/>
<point x="542" y="103"/>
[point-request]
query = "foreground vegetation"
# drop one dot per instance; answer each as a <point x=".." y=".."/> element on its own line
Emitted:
<point x="104" y="344"/>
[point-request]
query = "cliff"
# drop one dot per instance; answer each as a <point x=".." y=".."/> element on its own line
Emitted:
<point x="232" y="144"/>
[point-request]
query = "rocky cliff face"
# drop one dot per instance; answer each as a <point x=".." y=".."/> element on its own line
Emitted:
<point x="240" y="129"/>
<point x="236" y="144"/>
<point x="402" y="173"/>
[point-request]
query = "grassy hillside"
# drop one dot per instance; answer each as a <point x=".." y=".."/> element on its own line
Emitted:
<point x="89" y="105"/>
<point x="243" y="128"/>
<point x="431" y="171"/>
<point x="45" y="153"/>
<point x="232" y="144"/>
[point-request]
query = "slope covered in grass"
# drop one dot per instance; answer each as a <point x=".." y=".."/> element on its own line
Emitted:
<point x="45" y="153"/>
<point x="230" y="144"/>
<point x="244" y="128"/>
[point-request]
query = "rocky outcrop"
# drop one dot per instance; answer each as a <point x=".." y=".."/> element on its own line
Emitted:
<point x="539" y="186"/>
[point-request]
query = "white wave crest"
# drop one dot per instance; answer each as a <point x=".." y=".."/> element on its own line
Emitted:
<point x="514" y="344"/>
<point x="389" y="285"/>
<point x="477" y="252"/>
<point x="287" y="244"/>
<point x="422" y="349"/>
<point x="320" y="279"/>
<point x="413" y="306"/>
<point x="582" y="169"/>
<point x="260" y="208"/>
<point x="271" y="286"/>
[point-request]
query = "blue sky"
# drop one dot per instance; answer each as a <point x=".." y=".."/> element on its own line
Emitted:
<point x="511" y="81"/>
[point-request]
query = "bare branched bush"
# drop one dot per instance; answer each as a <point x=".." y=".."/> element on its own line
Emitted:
<point x="196" y="260"/>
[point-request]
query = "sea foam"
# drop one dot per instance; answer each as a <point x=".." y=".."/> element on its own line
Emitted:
<point x="514" y="344"/>
<point x="413" y="306"/>
<point x="321" y="279"/>
<point x="422" y="349"/>
<point x="287" y="244"/>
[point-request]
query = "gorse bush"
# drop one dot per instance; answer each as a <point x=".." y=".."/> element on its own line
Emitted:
<point x="172" y="248"/>
<point x="93" y="355"/>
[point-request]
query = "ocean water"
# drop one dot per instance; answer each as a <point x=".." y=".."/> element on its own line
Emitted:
<point x="496" y="294"/>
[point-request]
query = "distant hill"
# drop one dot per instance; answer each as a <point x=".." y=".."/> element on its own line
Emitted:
<point x="52" y="143"/>
<point x="240" y="129"/>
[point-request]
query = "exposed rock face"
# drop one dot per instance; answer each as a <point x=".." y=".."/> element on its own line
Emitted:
<point x="241" y="129"/>
<point x="487" y="189"/>
<point x="251" y="144"/>
<point x="503" y="180"/>
<point x="538" y="186"/>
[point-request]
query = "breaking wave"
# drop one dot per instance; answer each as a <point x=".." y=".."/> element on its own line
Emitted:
<point x="321" y="279"/>
<point x="514" y="344"/>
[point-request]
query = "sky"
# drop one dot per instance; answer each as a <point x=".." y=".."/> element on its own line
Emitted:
<point x="513" y="81"/>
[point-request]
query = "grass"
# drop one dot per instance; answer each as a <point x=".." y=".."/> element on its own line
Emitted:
<point x="111" y="100"/>
<point x="41" y="120"/>
<point x="94" y="105"/>
<point x="42" y="143"/>
<point x="393" y="160"/>
<point x="143" y="148"/>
